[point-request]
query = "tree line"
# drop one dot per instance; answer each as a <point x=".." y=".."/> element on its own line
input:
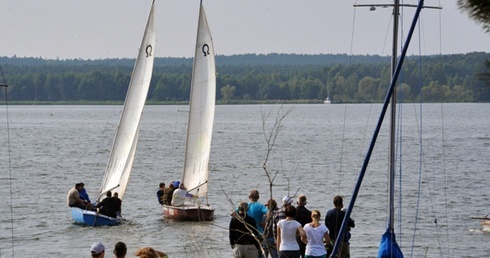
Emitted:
<point x="242" y="78"/>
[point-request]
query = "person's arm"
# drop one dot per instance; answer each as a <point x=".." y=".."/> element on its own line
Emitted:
<point x="278" y="237"/>
<point x="301" y="232"/>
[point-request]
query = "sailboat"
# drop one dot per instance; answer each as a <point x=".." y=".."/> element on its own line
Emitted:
<point x="388" y="246"/>
<point x="121" y="159"/>
<point x="199" y="129"/>
<point x="327" y="101"/>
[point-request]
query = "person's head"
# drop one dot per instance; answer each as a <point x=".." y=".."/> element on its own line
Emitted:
<point x="242" y="208"/>
<point x="78" y="186"/>
<point x="315" y="215"/>
<point x="82" y="185"/>
<point x="147" y="252"/>
<point x="120" y="250"/>
<point x="97" y="250"/>
<point x="338" y="202"/>
<point x="301" y="201"/>
<point x="108" y="194"/>
<point x="290" y="211"/>
<point x="254" y="195"/>
<point x="286" y="201"/>
<point x="271" y="204"/>
<point x="115" y="195"/>
<point x="162" y="186"/>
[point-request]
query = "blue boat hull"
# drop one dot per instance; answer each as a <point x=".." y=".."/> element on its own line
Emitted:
<point x="91" y="218"/>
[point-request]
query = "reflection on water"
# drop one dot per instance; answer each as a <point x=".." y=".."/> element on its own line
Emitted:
<point x="318" y="152"/>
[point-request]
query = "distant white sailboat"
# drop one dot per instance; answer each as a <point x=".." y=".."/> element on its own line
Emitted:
<point x="327" y="101"/>
<point x="199" y="128"/>
<point x="121" y="159"/>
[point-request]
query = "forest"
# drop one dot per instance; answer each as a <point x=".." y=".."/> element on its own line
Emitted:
<point x="251" y="78"/>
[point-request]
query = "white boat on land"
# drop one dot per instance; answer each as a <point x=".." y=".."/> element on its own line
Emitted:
<point x="121" y="159"/>
<point x="327" y="101"/>
<point x="199" y="129"/>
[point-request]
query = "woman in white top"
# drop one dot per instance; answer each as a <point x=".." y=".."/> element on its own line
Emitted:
<point x="286" y="234"/>
<point x="315" y="233"/>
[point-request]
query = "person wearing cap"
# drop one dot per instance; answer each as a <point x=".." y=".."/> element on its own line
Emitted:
<point x="97" y="250"/>
<point x="120" y="250"/>
<point x="243" y="234"/>
<point x="333" y="221"/>
<point x="303" y="216"/>
<point x="280" y="214"/>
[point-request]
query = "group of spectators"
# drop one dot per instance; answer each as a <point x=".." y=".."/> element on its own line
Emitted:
<point x="97" y="250"/>
<point x="258" y="230"/>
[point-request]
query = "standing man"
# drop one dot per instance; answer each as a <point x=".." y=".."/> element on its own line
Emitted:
<point x="333" y="221"/>
<point x="97" y="250"/>
<point x="256" y="210"/>
<point x="120" y="250"/>
<point x="303" y="216"/>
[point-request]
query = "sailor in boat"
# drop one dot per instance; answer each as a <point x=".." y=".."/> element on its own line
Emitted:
<point x="162" y="199"/>
<point x="73" y="198"/>
<point x="84" y="196"/>
<point x="168" y="194"/>
<point x="118" y="204"/>
<point x="180" y="195"/>
<point x="109" y="206"/>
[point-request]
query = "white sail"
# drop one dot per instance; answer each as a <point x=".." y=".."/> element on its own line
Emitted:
<point x="201" y="113"/>
<point x="124" y="148"/>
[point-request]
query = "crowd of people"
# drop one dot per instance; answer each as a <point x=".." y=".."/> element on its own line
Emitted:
<point x="97" y="250"/>
<point x="109" y="206"/>
<point x="258" y="230"/>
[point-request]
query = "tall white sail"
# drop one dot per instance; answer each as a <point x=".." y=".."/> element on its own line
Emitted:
<point x="122" y="155"/>
<point x="201" y="113"/>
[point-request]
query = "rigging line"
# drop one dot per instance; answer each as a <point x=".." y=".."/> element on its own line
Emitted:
<point x="5" y="86"/>
<point x="342" y="148"/>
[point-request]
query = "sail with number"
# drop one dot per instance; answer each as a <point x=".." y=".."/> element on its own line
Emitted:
<point x="201" y="112"/>
<point x="124" y="148"/>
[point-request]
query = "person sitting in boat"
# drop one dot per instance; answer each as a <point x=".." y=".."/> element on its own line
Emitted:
<point x="109" y="206"/>
<point x="73" y="197"/>
<point x="168" y="194"/>
<point x="180" y="195"/>
<point x="118" y="204"/>
<point x="84" y="196"/>
<point x="161" y="194"/>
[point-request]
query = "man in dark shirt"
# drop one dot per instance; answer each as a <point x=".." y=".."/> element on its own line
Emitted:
<point x="303" y="216"/>
<point x="109" y="206"/>
<point x="333" y="221"/>
<point x="243" y="233"/>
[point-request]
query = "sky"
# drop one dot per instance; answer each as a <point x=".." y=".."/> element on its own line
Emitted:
<point x="100" y="29"/>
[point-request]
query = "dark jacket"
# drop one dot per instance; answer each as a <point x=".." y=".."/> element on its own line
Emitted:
<point x="333" y="221"/>
<point x="240" y="231"/>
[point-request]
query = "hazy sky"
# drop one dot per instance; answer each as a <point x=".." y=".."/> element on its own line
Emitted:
<point x="112" y="29"/>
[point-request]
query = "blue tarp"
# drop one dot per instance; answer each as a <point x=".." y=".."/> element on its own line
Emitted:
<point x="388" y="248"/>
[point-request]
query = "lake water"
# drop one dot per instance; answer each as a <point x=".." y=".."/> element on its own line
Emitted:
<point x="318" y="152"/>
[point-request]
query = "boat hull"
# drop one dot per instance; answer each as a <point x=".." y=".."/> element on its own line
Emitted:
<point x="91" y="218"/>
<point x="485" y="225"/>
<point x="189" y="213"/>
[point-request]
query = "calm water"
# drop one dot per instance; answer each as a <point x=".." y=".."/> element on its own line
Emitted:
<point x="318" y="152"/>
